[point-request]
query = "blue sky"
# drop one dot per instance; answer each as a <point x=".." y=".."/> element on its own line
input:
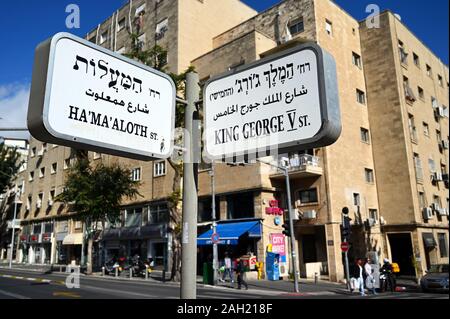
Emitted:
<point x="24" y="24"/>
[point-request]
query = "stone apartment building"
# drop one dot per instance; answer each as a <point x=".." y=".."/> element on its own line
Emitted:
<point x="356" y="172"/>
<point x="408" y="98"/>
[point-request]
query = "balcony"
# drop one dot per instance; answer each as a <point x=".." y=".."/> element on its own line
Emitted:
<point x="301" y="166"/>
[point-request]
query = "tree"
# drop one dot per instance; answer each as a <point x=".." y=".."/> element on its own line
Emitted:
<point x="96" y="194"/>
<point x="9" y="166"/>
<point x="156" y="57"/>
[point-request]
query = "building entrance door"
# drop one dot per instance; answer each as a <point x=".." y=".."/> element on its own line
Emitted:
<point x="402" y="253"/>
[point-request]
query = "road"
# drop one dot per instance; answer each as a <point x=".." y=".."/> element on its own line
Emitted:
<point x="15" y="284"/>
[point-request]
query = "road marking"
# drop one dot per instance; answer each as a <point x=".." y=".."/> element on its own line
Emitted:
<point x="10" y="294"/>
<point x="66" y="294"/>
<point x="7" y="276"/>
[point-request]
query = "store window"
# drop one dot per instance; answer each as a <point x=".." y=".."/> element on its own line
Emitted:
<point x="133" y="217"/>
<point x="158" y="213"/>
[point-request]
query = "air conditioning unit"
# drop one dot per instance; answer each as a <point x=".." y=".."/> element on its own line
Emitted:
<point x="439" y="112"/>
<point x="296" y="214"/>
<point x="41" y="153"/>
<point x="298" y="203"/>
<point x="443" y="212"/>
<point x="427" y="213"/>
<point x="311" y="214"/>
<point x="437" y="177"/>
<point x="382" y="221"/>
<point x="445" y="145"/>
<point x="28" y="207"/>
<point x="38" y="204"/>
<point x="50" y="203"/>
<point x="435" y="207"/>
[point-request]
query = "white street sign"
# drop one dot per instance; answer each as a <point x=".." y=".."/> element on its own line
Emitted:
<point x="88" y="97"/>
<point x="286" y="102"/>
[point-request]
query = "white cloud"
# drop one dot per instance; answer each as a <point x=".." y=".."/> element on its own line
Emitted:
<point x="13" y="108"/>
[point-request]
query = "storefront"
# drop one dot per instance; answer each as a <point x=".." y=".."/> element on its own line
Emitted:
<point x="148" y="242"/>
<point x="72" y="245"/>
<point x="236" y="238"/>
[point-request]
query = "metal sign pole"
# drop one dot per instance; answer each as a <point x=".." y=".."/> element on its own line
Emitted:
<point x="291" y="226"/>
<point x="13" y="230"/>
<point x="190" y="196"/>
<point x="214" y="225"/>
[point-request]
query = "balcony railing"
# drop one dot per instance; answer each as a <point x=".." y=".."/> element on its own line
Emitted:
<point x="304" y="165"/>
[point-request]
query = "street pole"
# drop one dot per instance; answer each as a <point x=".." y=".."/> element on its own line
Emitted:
<point x="13" y="228"/>
<point x="190" y="195"/>
<point x="214" y="225"/>
<point x="291" y="226"/>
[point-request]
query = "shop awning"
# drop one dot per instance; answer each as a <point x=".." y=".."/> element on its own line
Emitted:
<point x="230" y="233"/>
<point x="73" y="239"/>
<point x="429" y="241"/>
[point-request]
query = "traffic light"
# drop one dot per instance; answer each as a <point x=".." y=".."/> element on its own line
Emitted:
<point x="286" y="230"/>
<point x="346" y="227"/>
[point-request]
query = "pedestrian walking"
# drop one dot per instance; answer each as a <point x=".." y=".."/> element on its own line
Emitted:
<point x="370" y="280"/>
<point x="240" y="274"/>
<point x="358" y="274"/>
<point x="228" y="268"/>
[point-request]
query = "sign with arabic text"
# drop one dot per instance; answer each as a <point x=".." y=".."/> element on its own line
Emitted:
<point x="87" y="97"/>
<point x="286" y="102"/>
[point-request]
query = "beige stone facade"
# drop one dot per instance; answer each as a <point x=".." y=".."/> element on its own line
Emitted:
<point x="370" y="169"/>
<point x="410" y="138"/>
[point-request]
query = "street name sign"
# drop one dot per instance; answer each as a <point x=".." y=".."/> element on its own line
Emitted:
<point x="87" y="97"/>
<point x="286" y="102"/>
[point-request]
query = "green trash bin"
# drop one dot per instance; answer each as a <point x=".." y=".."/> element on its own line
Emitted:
<point x="208" y="278"/>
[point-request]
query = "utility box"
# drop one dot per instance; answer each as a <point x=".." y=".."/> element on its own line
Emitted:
<point x="272" y="266"/>
<point x="208" y="274"/>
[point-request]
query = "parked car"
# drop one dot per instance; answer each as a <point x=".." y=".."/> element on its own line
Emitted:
<point x="436" y="279"/>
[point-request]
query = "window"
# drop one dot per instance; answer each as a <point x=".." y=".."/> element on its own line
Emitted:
<point x="403" y="53"/>
<point x="140" y="9"/>
<point x="103" y="37"/>
<point x="161" y="28"/>
<point x="158" y="213"/>
<point x="296" y="26"/>
<point x="369" y="175"/>
<point x="240" y="206"/>
<point x="439" y="137"/>
<point x="97" y="155"/>
<point x="42" y="172"/>
<point x="422" y="201"/>
<point x="142" y="41"/>
<point x="31" y="176"/>
<point x="418" y="167"/>
<point x="409" y="94"/>
<point x="441" y="82"/>
<point x="373" y="213"/>
<point x="29" y="199"/>
<point x="133" y="217"/>
<point x="329" y="27"/>
<point x="426" y="129"/>
<point x="48" y="228"/>
<point x="432" y="165"/>
<point x="39" y="201"/>
<point x="356" y="199"/>
<point x="54" y="168"/>
<point x="442" y="239"/>
<point x="356" y="60"/>
<point x="429" y="71"/>
<point x="421" y="93"/>
<point x="33" y="152"/>
<point x="159" y="169"/>
<point x="37" y="228"/>
<point x="365" y="137"/>
<point x="66" y="163"/>
<point x="416" y="60"/>
<point x="136" y="174"/>
<point x="205" y="209"/>
<point x="51" y="196"/>
<point x="44" y="147"/>
<point x="360" y="96"/>
<point x="93" y="39"/>
<point x="434" y="103"/>
<point x="412" y="128"/>
<point x="308" y="196"/>
<point x="121" y="25"/>
<point x="78" y="224"/>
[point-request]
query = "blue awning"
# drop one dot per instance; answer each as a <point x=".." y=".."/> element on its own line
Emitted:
<point x="230" y="233"/>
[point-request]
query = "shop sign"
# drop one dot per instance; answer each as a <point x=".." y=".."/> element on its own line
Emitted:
<point x="274" y="209"/>
<point x="47" y="237"/>
<point x="24" y="238"/>
<point x="278" y="244"/>
<point x="35" y="238"/>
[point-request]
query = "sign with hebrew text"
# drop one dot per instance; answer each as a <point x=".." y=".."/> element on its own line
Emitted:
<point x="87" y="97"/>
<point x="285" y="102"/>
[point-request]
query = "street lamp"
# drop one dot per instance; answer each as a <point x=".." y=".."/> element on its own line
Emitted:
<point x="285" y="169"/>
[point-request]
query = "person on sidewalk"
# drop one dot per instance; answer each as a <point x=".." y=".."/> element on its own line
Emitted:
<point x="370" y="280"/>
<point x="358" y="274"/>
<point x="388" y="282"/>
<point x="240" y="271"/>
<point x="228" y="268"/>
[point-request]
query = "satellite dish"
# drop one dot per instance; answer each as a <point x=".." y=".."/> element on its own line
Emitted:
<point x="398" y="16"/>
